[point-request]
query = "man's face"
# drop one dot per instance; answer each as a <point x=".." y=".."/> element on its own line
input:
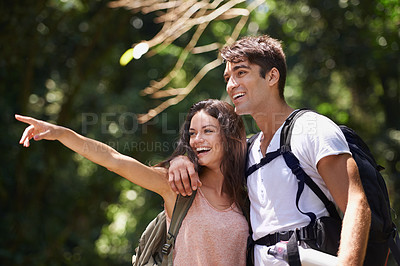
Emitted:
<point x="246" y="88"/>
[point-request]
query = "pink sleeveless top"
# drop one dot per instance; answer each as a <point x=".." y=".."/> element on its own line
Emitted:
<point x="209" y="236"/>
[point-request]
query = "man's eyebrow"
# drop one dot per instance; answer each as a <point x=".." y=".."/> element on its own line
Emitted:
<point x="238" y="67"/>
<point x="241" y="66"/>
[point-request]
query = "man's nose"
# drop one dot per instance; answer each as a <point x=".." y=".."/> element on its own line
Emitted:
<point x="231" y="84"/>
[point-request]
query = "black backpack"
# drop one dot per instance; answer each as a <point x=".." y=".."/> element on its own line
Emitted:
<point x="155" y="245"/>
<point x="383" y="232"/>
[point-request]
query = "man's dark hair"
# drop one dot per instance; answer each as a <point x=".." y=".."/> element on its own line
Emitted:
<point x="262" y="50"/>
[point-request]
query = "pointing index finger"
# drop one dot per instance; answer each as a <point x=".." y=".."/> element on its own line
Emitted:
<point x="26" y="119"/>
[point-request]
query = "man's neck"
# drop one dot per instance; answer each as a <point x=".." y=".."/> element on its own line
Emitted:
<point x="270" y="120"/>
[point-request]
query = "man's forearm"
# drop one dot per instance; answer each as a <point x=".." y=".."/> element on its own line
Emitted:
<point x="355" y="231"/>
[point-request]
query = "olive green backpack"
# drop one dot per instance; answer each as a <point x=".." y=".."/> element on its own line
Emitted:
<point x="155" y="245"/>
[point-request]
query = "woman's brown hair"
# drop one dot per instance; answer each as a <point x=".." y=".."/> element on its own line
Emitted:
<point x="234" y="146"/>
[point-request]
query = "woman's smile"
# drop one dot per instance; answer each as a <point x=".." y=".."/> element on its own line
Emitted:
<point x="205" y="139"/>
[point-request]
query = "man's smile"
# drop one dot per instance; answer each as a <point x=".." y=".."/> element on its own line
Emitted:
<point x="238" y="95"/>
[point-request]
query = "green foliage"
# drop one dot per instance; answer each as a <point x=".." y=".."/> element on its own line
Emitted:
<point x="59" y="62"/>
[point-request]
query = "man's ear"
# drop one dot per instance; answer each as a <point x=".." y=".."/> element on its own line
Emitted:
<point x="273" y="76"/>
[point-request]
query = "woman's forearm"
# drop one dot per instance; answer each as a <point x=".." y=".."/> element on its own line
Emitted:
<point x="91" y="149"/>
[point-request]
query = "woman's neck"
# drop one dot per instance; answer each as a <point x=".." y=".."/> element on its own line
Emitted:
<point x="213" y="178"/>
<point x="214" y="190"/>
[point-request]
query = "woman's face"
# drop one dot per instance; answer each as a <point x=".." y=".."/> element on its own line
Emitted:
<point x="206" y="139"/>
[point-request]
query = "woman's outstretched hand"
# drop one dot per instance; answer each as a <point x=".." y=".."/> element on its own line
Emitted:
<point x="37" y="130"/>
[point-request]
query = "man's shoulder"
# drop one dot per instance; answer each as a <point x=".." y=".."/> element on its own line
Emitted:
<point x="313" y="131"/>
<point x="313" y="116"/>
<point x="312" y="123"/>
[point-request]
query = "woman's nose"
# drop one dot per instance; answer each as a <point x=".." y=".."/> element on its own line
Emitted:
<point x="198" y="137"/>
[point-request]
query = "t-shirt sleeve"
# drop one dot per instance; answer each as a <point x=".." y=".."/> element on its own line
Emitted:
<point x="317" y="137"/>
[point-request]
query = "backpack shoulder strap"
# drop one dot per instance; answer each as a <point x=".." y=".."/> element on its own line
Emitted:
<point x="250" y="141"/>
<point x="266" y="159"/>
<point x="287" y="128"/>
<point x="284" y="142"/>
<point x="182" y="205"/>
<point x="294" y="164"/>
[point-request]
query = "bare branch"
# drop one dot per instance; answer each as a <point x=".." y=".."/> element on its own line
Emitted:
<point x="184" y="92"/>
<point x="178" y="17"/>
<point x="206" y="48"/>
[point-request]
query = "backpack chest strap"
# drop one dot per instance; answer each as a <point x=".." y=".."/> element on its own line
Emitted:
<point x="266" y="159"/>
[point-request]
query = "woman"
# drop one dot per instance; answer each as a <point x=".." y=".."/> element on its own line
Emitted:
<point x="214" y="231"/>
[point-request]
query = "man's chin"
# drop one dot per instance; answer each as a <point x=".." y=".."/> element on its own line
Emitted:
<point x="240" y="111"/>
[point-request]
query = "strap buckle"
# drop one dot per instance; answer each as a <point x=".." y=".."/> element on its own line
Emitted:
<point x="166" y="248"/>
<point x="307" y="233"/>
<point x="283" y="236"/>
<point x="279" y="236"/>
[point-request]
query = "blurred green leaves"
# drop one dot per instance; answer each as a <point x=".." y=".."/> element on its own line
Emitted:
<point x="59" y="61"/>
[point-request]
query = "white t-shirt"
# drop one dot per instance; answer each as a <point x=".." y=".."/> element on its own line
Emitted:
<point x="273" y="187"/>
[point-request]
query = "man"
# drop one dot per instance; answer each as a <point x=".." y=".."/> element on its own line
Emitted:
<point x="255" y="74"/>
